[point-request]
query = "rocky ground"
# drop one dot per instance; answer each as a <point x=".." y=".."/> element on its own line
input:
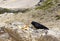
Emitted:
<point x="16" y="26"/>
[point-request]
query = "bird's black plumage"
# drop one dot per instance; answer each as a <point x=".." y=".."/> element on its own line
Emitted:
<point x="38" y="25"/>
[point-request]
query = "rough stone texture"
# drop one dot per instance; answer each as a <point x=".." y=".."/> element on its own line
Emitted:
<point x="17" y="32"/>
<point x="18" y="3"/>
<point x="18" y="26"/>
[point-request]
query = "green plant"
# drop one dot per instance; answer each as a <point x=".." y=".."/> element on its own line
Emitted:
<point x="3" y="10"/>
<point x="57" y="17"/>
<point x="46" y="4"/>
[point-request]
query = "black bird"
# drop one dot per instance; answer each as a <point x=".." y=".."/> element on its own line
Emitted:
<point x="39" y="26"/>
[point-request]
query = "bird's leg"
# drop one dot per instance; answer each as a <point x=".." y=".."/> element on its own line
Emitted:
<point x="46" y="32"/>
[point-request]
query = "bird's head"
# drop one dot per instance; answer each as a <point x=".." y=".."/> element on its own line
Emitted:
<point x="33" y="22"/>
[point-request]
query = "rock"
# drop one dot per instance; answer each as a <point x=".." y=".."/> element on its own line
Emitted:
<point x="22" y="32"/>
<point x="5" y="35"/>
<point x="23" y="35"/>
<point x="18" y="3"/>
<point x="32" y="35"/>
<point x="54" y="33"/>
<point x="2" y="24"/>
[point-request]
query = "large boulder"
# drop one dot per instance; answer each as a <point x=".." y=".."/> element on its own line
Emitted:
<point x="21" y="32"/>
<point x="18" y="3"/>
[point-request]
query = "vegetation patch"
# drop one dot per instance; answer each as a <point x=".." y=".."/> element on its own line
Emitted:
<point x="47" y="4"/>
<point x="57" y="17"/>
<point x="3" y="10"/>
